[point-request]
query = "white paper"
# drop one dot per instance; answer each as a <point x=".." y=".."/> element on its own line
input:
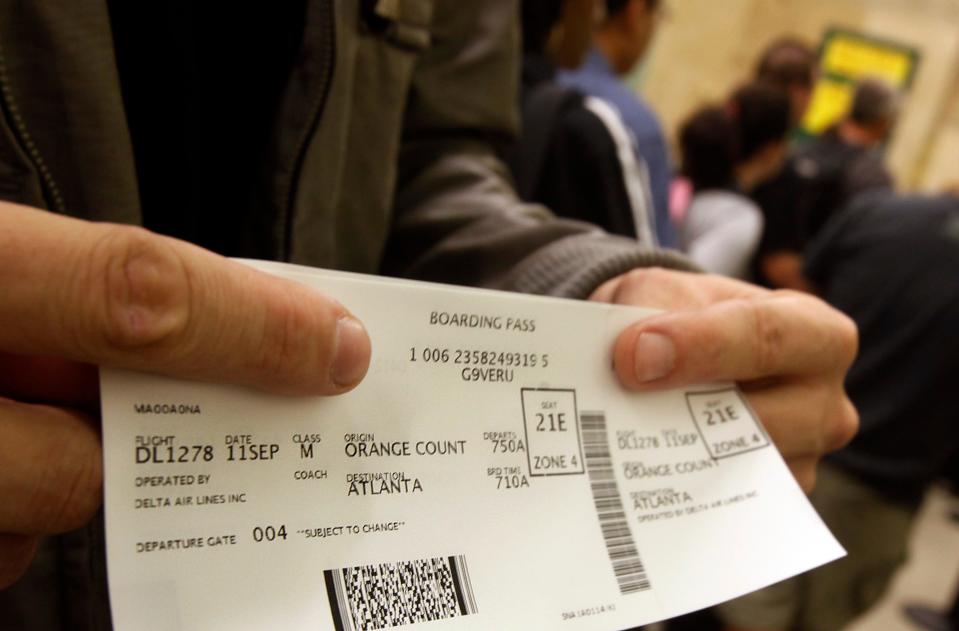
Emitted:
<point x="460" y="486"/>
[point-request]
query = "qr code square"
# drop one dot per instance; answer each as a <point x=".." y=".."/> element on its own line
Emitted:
<point x="387" y="595"/>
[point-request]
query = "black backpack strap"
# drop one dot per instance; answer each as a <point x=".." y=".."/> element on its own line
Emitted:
<point x="542" y="109"/>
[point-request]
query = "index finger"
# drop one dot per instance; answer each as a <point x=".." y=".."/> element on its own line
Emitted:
<point x="124" y="297"/>
<point x="784" y="334"/>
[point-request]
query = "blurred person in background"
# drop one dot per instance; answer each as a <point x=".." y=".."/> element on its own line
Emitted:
<point x="575" y="154"/>
<point x="726" y="151"/>
<point x="845" y="160"/>
<point x="892" y="264"/>
<point x="825" y="174"/>
<point x="621" y="42"/>
<point x="791" y="64"/>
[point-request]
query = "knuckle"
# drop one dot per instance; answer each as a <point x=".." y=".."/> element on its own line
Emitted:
<point x="51" y="459"/>
<point x="837" y="332"/>
<point x="631" y="282"/>
<point x="642" y="275"/>
<point x="606" y="291"/>
<point x="768" y="336"/>
<point x="72" y="493"/>
<point x="846" y="340"/>
<point x="794" y="294"/>
<point x="82" y="498"/>
<point x="845" y="426"/>
<point x="637" y="282"/>
<point x="146" y="289"/>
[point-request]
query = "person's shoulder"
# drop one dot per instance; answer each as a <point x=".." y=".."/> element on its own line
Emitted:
<point x="891" y="208"/>
<point x="549" y="105"/>
<point x="728" y="201"/>
<point x="874" y="205"/>
<point x="635" y="111"/>
<point x="586" y="80"/>
<point x="579" y="119"/>
<point x="716" y="206"/>
<point x="866" y="171"/>
<point x="818" y="156"/>
<point x="592" y="77"/>
<point x="869" y="216"/>
<point x="636" y="104"/>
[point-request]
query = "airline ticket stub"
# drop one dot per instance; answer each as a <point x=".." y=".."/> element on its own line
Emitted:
<point x="488" y="473"/>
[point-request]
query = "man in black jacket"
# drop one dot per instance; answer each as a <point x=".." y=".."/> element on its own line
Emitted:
<point x="892" y="264"/>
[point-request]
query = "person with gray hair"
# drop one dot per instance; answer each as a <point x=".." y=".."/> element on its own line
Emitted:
<point x="875" y="107"/>
<point x="845" y="161"/>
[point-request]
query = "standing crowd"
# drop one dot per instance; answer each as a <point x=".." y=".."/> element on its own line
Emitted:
<point x="755" y="198"/>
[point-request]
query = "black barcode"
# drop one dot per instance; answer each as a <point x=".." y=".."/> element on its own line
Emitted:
<point x="386" y="595"/>
<point x="627" y="566"/>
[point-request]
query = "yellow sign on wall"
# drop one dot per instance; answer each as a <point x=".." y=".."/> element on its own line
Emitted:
<point x="845" y="58"/>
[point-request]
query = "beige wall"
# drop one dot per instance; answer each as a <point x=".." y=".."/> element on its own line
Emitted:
<point x="940" y="167"/>
<point x="705" y="47"/>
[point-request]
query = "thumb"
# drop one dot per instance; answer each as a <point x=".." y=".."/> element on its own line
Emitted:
<point x="780" y="335"/>
<point x="126" y="298"/>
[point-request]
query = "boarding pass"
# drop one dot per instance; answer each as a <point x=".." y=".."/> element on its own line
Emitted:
<point x="489" y="472"/>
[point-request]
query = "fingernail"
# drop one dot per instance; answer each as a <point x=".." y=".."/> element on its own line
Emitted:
<point x="655" y="357"/>
<point x="352" y="355"/>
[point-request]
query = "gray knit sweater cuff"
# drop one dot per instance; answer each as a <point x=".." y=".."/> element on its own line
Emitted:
<point x="575" y="266"/>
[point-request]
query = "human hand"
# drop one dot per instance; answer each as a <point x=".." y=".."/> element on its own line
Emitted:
<point x="788" y="351"/>
<point x="79" y="294"/>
